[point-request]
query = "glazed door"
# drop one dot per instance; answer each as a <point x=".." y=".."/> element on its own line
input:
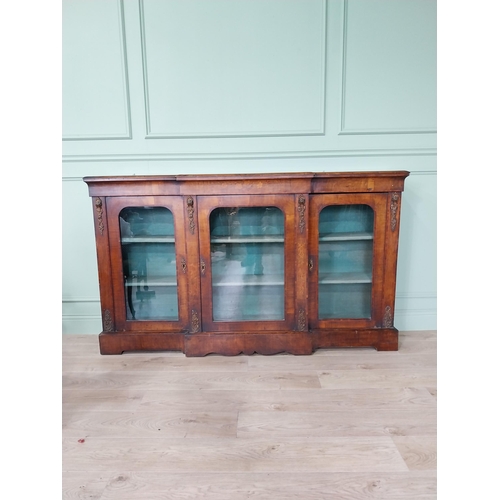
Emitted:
<point x="148" y="260"/>
<point x="346" y="264"/>
<point x="247" y="262"/>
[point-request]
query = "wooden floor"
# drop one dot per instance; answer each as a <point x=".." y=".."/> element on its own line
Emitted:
<point x="340" y="424"/>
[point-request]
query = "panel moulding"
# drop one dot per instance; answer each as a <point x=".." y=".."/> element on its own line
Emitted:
<point x="327" y="153"/>
<point x="226" y="134"/>
<point x="128" y="121"/>
<point x="382" y="131"/>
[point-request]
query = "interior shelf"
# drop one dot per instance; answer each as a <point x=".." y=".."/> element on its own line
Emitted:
<point x="247" y="280"/>
<point x="152" y="281"/>
<point x="247" y="239"/>
<point x="346" y="236"/>
<point x="148" y="239"/>
<point x="344" y="278"/>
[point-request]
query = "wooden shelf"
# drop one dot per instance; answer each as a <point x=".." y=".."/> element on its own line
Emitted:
<point x="344" y="278"/>
<point x="153" y="282"/>
<point x="346" y="237"/>
<point x="248" y="280"/>
<point x="247" y="239"/>
<point x="148" y="239"/>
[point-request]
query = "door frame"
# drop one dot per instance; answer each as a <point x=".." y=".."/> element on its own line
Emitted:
<point x="206" y="204"/>
<point x="378" y="202"/>
<point x="175" y="204"/>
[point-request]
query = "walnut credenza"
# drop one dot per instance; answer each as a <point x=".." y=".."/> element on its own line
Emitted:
<point x="262" y="263"/>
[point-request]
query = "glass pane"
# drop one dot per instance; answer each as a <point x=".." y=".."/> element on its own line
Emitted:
<point x="149" y="264"/>
<point x="345" y="261"/>
<point x="247" y="256"/>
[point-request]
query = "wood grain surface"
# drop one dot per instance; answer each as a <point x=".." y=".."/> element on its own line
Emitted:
<point x="344" y="424"/>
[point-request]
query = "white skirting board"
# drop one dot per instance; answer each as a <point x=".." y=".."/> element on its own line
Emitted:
<point x="413" y="312"/>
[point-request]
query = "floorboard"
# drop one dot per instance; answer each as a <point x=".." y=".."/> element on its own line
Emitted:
<point x="342" y="423"/>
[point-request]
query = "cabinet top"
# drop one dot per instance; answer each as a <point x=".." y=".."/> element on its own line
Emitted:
<point x="258" y="183"/>
<point x="238" y="177"/>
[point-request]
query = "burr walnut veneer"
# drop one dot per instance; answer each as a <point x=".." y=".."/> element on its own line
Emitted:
<point x="247" y="263"/>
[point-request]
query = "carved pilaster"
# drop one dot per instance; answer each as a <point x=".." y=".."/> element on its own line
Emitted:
<point x="195" y="321"/>
<point x="387" y="322"/>
<point x="394" y="210"/>
<point x="301" y="320"/>
<point x="190" y="213"/>
<point x="107" y="321"/>
<point x="99" y="210"/>
<point x="302" y="213"/>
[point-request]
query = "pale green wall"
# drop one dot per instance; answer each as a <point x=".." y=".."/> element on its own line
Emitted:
<point x="213" y="86"/>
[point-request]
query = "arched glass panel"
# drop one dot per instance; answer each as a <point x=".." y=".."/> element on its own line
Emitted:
<point x="149" y="264"/>
<point x="247" y="257"/>
<point x="345" y="261"/>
